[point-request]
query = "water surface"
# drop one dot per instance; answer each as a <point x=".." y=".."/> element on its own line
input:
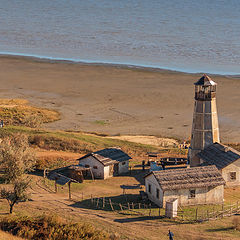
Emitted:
<point x="192" y="36"/>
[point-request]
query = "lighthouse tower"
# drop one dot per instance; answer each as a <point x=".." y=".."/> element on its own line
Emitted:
<point x="205" y="130"/>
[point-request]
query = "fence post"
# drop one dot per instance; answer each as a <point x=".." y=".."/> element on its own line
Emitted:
<point x="110" y="202"/>
<point x="97" y="202"/>
<point x="120" y="205"/>
<point x="196" y="215"/>
<point x="56" y="188"/>
<point x="69" y="191"/>
<point x="222" y="209"/>
<point x="139" y="205"/>
<point x="150" y="208"/>
<point x="103" y="202"/>
<point x="128" y="206"/>
<point x="91" y="199"/>
<point x="132" y="205"/>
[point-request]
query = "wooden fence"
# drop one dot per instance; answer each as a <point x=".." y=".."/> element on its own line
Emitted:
<point x="190" y="214"/>
<point x="210" y="213"/>
<point x="187" y="214"/>
<point x="139" y="208"/>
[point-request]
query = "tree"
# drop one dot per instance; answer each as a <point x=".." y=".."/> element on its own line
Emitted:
<point x="16" y="159"/>
<point x="18" y="194"/>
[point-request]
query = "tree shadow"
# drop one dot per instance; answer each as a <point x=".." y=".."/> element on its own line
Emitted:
<point x="220" y="229"/>
<point x="137" y="219"/>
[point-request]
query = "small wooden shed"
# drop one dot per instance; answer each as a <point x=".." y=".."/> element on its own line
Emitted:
<point x="106" y="163"/>
<point x="226" y="159"/>
<point x="191" y="186"/>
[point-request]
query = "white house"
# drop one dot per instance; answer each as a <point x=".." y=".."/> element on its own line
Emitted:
<point x="106" y="163"/>
<point x="191" y="186"/>
<point x="226" y="159"/>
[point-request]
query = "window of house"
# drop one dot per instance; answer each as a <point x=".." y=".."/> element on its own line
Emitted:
<point x="86" y="165"/>
<point x="123" y="163"/>
<point x="149" y="188"/>
<point x="192" y="193"/>
<point x="95" y="167"/>
<point x="157" y="193"/>
<point x="233" y="176"/>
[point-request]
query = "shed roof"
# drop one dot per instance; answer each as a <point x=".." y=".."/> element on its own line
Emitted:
<point x="219" y="155"/>
<point x="185" y="178"/>
<point x="60" y="179"/>
<point x="205" y="81"/>
<point x="108" y="156"/>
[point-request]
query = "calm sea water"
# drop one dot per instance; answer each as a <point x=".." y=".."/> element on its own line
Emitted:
<point x="186" y="35"/>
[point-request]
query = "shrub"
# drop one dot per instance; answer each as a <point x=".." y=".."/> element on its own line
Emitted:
<point x="51" y="228"/>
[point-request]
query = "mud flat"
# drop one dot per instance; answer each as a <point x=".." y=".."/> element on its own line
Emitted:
<point x="115" y="99"/>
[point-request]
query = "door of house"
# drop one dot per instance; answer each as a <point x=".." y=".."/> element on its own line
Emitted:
<point x="115" y="170"/>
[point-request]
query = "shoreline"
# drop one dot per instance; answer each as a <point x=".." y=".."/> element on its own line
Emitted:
<point x="47" y="59"/>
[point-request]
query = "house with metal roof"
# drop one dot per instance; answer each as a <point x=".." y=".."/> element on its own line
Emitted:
<point x="225" y="158"/>
<point x="106" y="163"/>
<point x="191" y="186"/>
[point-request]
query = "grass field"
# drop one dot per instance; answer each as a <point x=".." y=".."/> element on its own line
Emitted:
<point x="19" y="112"/>
<point x="8" y="236"/>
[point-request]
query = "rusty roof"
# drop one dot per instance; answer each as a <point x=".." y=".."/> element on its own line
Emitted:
<point x="219" y="155"/>
<point x="185" y="178"/>
<point x="108" y="156"/>
<point x="205" y="81"/>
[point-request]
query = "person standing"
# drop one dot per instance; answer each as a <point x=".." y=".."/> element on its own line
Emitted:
<point x="170" y="234"/>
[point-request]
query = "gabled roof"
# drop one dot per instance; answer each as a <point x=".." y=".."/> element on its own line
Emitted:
<point x="186" y="178"/>
<point x="219" y="155"/>
<point x="108" y="156"/>
<point x="205" y="81"/>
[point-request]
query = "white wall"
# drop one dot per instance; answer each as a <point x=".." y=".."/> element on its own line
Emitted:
<point x="92" y="162"/>
<point x="233" y="167"/>
<point x="123" y="168"/>
<point x="107" y="172"/>
<point x="202" y="196"/>
<point x="151" y="180"/>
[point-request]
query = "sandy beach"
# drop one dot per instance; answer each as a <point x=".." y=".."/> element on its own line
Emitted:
<point x="117" y="99"/>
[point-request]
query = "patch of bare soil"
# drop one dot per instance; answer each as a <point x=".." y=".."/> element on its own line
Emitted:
<point x="151" y="140"/>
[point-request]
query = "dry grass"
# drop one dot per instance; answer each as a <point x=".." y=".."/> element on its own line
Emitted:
<point x="19" y="112"/>
<point x="8" y="236"/>
<point x="55" y="159"/>
<point x="235" y="146"/>
<point x="50" y="227"/>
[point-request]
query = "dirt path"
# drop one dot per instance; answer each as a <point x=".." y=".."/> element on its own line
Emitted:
<point x="44" y="200"/>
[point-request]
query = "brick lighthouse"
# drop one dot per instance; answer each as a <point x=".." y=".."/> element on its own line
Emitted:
<point x="205" y="130"/>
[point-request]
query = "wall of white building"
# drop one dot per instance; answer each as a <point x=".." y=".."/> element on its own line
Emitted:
<point x="97" y="168"/>
<point x="151" y="182"/>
